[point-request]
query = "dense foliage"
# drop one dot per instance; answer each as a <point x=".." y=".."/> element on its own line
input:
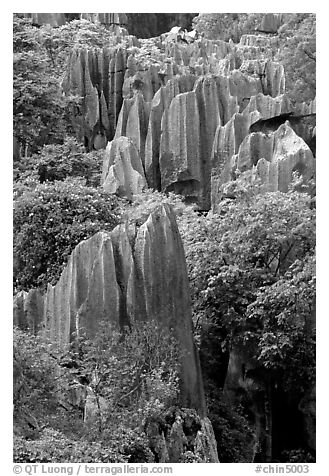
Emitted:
<point x="60" y="161"/>
<point x="40" y="109"/>
<point x="50" y="220"/>
<point x="252" y="276"/>
<point x="226" y="26"/>
<point x="251" y="269"/>
<point x="297" y="53"/>
<point x="125" y="383"/>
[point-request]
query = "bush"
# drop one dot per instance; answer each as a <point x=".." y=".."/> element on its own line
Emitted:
<point x="252" y="276"/>
<point x="135" y="376"/>
<point x="234" y="436"/>
<point x="54" y="447"/>
<point x="59" y="161"/>
<point x="146" y="202"/>
<point x="35" y="384"/>
<point x="226" y="26"/>
<point x="128" y="379"/>
<point x="50" y="220"/>
<point x="41" y="112"/>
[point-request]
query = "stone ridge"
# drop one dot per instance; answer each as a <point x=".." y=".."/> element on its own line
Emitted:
<point x="108" y="279"/>
<point x="123" y="172"/>
<point x="186" y="107"/>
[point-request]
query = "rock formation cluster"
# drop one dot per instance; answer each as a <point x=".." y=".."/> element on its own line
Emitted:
<point x="189" y="107"/>
<point x="123" y="276"/>
<point x="176" y="117"/>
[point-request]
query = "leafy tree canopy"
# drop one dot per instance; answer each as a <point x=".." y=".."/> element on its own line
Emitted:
<point x="50" y="220"/>
<point x="251" y="269"/>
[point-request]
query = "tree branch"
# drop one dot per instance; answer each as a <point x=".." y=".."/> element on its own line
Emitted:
<point x="310" y="55"/>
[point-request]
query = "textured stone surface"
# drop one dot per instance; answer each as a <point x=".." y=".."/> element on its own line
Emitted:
<point x="271" y="22"/>
<point x="106" y="18"/>
<point x="97" y="76"/>
<point x="289" y="153"/>
<point x="209" y="118"/>
<point x="108" y="279"/>
<point x="276" y="156"/>
<point x="28" y="310"/>
<point x="229" y="137"/>
<point x="133" y="122"/>
<point x="179" y="160"/>
<point x="123" y="172"/>
<point x="270" y="73"/>
<point x="182" y="431"/>
<point x="52" y="19"/>
<point x="241" y="382"/>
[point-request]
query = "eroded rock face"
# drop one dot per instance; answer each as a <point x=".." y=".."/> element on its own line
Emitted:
<point x="270" y="23"/>
<point x="288" y="153"/>
<point x="123" y="172"/>
<point x="179" y="146"/>
<point x="106" y="18"/>
<point x="97" y="75"/>
<point x="256" y="138"/>
<point x="133" y="122"/>
<point x="174" y="101"/>
<point x="52" y="19"/>
<point x="114" y="277"/>
<point x="28" y="310"/>
<point x="180" y="435"/>
<point x="108" y="278"/>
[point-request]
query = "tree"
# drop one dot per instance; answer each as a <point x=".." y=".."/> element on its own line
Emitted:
<point x="251" y="269"/>
<point x="40" y="109"/>
<point x="297" y="53"/>
<point x="57" y="162"/>
<point x="251" y="242"/>
<point x="50" y="220"/>
<point x="126" y="379"/>
<point x="131" y="377"/>
<point x="225" y="26"/>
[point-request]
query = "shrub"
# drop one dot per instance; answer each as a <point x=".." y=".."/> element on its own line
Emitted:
<point x="226" y="26"/>
<point x="59" y="161"/>
<point x="50" y="220"/>
<point x="132" y="375"/>
<point x="35" y="383"/>
<point x="41" y="112"/>
<point x="146" y="202"/>
<point x="234" y="436"/>
<point x="252" y="275"/>
<point x="135" y="376"/>
<point x="52" y="446"/>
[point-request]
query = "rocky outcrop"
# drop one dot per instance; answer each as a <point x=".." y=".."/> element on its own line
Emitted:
<point x="106" y="18"/>
<point x="52" y="19"/>
<point x="97" y="76"/>
<point x="181" y="436"/>
<point x="282" y="154"/>
<point x="109" y="277"/>
<point x="28" y="310"/>
<point x="116" y="23"/>
<point x="270" y="22"/>
<point x="244" y="384"/>
<point x="133" y="122"/>
<point x="187" y="107"/>
<point x="123" y="172"/>
<point x="179" y="146"/>
<point x="252" y="137"/>
<point x="123" y="276"/>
